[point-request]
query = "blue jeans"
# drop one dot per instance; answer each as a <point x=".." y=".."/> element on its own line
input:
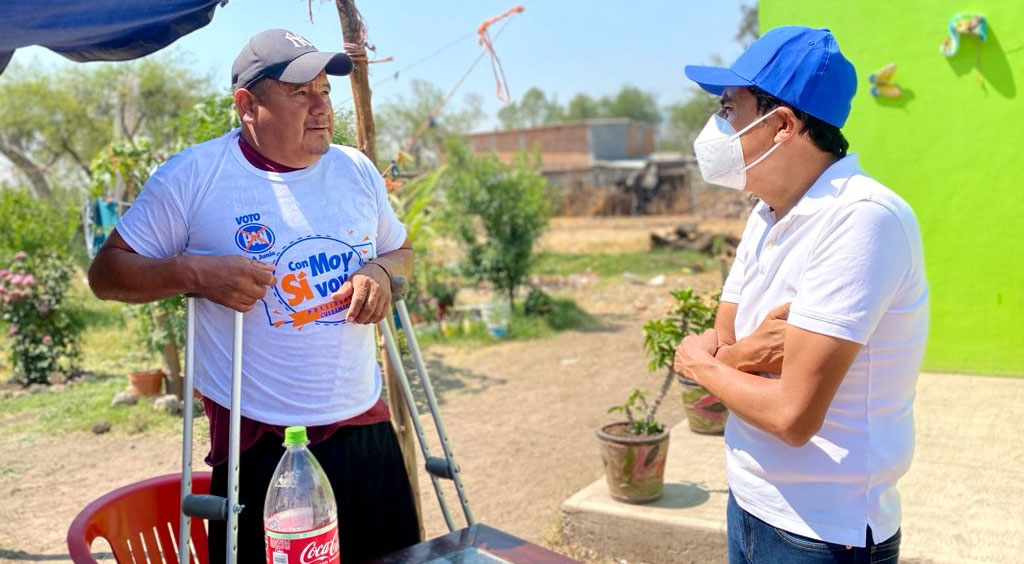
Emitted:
<point x="752" y="541"/>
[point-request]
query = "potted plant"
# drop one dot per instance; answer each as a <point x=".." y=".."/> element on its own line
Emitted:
<point x="634" y="450"/>
<point x="146" y="383"/>
<point x="689" y="314"/>
<point x="160" y="328"/>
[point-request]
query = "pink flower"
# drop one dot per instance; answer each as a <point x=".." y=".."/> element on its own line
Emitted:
<point x="12" y="331"/>
<point x="5" y="274"/>
<point x="16" y="279"/>
<point x="43" y="310"/>
<point x="28" y="280"/>
<point x="18" y="295"/>
<point x="47" y="340"/>
<point x="20" y="255"/>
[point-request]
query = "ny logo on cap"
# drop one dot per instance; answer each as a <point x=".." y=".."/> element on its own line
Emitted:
<point x="297" y="40"/>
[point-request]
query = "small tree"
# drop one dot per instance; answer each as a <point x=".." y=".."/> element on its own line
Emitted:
<point x="689" y="314"/>
<point x="497" y="212"/>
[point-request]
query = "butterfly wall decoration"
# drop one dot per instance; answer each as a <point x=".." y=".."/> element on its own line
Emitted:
<point x="882" y="85"/>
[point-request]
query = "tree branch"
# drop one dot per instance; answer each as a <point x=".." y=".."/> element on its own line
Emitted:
<point x="28" y="167"/>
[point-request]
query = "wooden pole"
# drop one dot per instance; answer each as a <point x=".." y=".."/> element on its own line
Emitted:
<point x="353" y="32"/>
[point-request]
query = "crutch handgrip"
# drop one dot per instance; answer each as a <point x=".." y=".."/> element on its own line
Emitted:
<point x="205" y="506"/>
<point x="440" y="467"/>
<point x="399" y="288"/>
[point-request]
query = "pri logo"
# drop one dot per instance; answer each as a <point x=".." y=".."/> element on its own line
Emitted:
<point x="252" y="237"/>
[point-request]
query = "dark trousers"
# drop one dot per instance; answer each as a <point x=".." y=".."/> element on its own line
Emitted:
<point x="752" y="541"/>
<point x="376" y="514"/>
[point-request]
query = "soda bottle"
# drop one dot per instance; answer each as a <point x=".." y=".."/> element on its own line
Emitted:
<point x="300" y="516"/>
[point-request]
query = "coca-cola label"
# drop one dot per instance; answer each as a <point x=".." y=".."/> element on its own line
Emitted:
<point x="319" y="546"/>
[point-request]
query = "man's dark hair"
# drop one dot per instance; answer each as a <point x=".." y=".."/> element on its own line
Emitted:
<point x="260" y="88"/>
<point x="825" y="136"/>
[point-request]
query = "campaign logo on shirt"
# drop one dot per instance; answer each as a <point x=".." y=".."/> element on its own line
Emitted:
<point x="251" y="236"/>
<point x="309" y="270"/>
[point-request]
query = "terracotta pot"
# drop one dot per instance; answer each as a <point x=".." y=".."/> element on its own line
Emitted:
<point x="705" y="413"/>
<point x="147" y="383"/>
<point x="634" y="465"/>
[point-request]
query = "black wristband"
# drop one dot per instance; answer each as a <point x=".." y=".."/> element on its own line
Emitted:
<point x="382" y="268"/>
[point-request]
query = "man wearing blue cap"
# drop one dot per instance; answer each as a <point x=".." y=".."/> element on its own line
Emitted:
<point x="274" y="220"/>
<point x="823" y="317"/>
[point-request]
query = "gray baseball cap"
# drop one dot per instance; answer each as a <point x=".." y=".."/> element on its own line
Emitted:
<point x="286" y="56"/>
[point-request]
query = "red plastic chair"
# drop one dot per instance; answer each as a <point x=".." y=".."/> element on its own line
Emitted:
<point x="139" y="521"/>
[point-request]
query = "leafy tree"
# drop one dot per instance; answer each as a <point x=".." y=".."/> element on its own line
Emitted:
<point x="634" y="103"/>
<point x="497" y="212"/>
<point x="581" y="107"/>
<point x="212" y="116"/>
<point x="54" y="124"/>
<point x="686" y="119"/>
<point x="532" y="110"/>
<point x="749" y="29"/>
<point x="418" y="124"/>
<point x="535" y="109"/>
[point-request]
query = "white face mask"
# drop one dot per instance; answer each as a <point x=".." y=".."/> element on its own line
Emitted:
<point x="720" y="153"/>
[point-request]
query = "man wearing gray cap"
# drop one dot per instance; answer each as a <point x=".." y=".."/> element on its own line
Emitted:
<point x="823" y="318"/>
<point x="273" y="220"/>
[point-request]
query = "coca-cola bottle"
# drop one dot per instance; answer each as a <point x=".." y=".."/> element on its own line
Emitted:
<point x="300" y="516"/>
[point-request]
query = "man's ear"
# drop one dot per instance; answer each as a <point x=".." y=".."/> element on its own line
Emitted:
<point x="788" y="124"/>
<point x="245" y="105"/>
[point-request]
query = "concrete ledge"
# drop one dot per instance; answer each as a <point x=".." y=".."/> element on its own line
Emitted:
<point x="962" y="499"/>
<point x="686" y="525"/>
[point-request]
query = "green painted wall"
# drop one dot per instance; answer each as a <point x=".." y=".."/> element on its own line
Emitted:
<point x="953" y="147"/>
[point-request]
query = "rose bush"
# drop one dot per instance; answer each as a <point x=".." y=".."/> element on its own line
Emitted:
<point x="42" y="328"/>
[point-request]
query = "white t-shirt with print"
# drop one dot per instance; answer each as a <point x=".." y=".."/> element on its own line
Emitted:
<point x="849" y="258"/>
<point x="302" y="363"/>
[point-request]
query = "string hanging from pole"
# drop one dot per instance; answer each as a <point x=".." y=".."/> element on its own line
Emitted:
<point x="502" y="86"/>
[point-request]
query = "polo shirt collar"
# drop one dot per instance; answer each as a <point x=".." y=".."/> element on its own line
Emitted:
<point x="829" y="185"/>
<point x="826" y="188"/>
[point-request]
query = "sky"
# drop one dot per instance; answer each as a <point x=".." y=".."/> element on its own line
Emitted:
<point x="560" y="46"/>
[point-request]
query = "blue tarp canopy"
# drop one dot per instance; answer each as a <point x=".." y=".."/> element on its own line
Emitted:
<point x="99" y="30"/>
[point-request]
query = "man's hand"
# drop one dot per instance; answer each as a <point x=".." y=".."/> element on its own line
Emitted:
<point x="763" y="350"/>
<point x="370" y="290"/>
<point x="234" y="282"/>
<point x="694" y="351"/>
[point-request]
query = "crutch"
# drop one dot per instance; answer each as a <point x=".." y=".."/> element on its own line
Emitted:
<point x="438" y="468"/>
<point x="205" y="506"/>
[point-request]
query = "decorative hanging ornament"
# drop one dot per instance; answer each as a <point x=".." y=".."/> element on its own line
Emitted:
<point x="882" y="86"/>
<point x="963" y="24"/>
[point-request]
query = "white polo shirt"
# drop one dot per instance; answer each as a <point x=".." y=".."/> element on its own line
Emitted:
<point x="849" y="258"/>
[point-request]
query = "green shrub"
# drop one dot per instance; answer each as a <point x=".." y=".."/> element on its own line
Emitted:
<point x="538" y="302"/>
<point x="32" y="225"/>
<point x="43" y="329"/>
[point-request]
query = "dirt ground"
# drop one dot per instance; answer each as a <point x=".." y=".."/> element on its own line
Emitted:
<point x="521" y="416"/>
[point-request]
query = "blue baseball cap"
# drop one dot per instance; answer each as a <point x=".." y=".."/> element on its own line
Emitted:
<point x="799" y="65"/>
